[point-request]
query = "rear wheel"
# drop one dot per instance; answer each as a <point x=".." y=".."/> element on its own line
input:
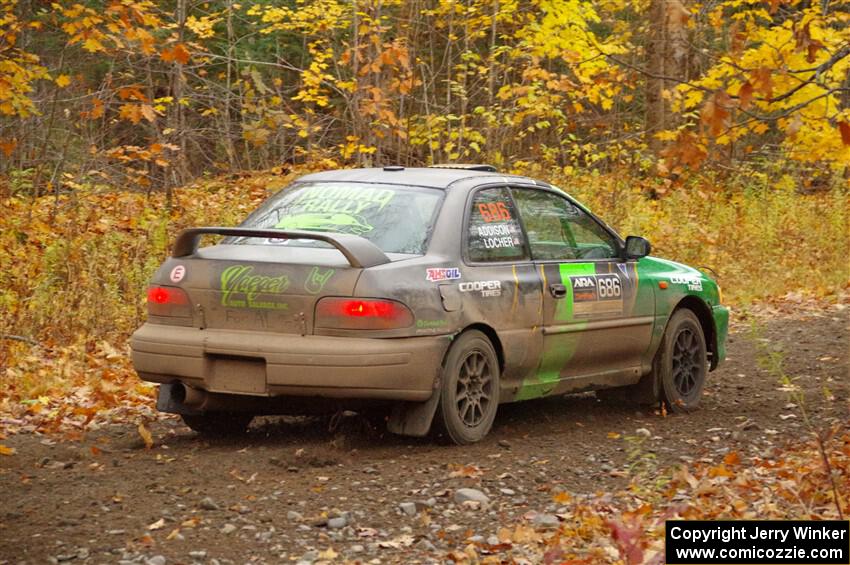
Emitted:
<point x="218" y="423"/>
<point x="683" y="364"/>
<point x="469" y="395"/>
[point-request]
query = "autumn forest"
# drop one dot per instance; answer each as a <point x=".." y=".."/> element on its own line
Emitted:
<point x="153" y="94"/>
<point x="717" y="129"/>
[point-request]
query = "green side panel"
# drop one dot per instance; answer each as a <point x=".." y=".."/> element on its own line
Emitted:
<point x="557" y="350"/>
<point x="721" y="324"/>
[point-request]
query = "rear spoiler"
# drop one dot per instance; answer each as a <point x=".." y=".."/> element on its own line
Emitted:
<point x="360" y="253"/>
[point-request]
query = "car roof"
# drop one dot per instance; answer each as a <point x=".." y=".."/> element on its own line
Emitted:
<point x="433" y="177"/>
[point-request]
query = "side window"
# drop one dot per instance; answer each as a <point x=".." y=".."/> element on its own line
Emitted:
<point x="494" y="230"/>
<point x="559" y="230"/>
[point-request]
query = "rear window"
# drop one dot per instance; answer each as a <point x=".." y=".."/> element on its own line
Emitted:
<point x="397" y="219"/>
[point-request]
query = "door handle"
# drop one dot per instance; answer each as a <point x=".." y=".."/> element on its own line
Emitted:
<point x="558" y="290"/>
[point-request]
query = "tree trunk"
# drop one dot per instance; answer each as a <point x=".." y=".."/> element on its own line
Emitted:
<point x="180" y="172"/>
<point x="666" y="64"/>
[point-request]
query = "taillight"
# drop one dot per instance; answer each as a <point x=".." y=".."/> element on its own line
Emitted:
<point x="168" y="301"/>
<point x="362" y="314"/>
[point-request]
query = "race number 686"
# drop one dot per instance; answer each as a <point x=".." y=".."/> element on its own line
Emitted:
<point x="609" y="287"/>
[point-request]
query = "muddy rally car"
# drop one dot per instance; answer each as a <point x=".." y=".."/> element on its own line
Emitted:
<point x="434" y="294"/>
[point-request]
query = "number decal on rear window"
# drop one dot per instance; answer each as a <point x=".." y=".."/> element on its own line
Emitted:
<point x="494" y="232"/>
<point x="494" y="211"/>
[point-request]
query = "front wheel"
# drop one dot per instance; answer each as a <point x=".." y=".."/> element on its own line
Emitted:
<point x="218" y="423"/>
<point x="469" y="394"/>
<point x="683" y="364"/>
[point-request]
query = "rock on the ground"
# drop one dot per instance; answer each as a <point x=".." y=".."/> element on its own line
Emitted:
<point x="408" y="508"/>
<point x="208" y="504"/>
<point x="470" y="494"/>
<point x="294" y="516"/>
<point x="546" y="521"/>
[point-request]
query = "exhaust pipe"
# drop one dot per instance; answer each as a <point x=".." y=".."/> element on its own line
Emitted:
<point x="188" y="396"/>
<point x="177" y="398"/>
<point x="180" y="398"/>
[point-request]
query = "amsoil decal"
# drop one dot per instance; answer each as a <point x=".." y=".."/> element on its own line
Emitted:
<point x="596" y="294"/>
<point x="449" y="274"/>
<point x="241" y="288"/>
<point x="692" y="281"/>
<point x="486" y="288"/>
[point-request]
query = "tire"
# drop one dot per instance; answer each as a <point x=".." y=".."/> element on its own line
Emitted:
<point x="469" y="392"/>
<point x="218" y="423"/>
<point x="682" y="365"/>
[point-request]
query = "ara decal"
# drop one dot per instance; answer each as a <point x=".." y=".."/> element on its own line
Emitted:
<point x="448" y="274"/>
<point x="596" y="294"/>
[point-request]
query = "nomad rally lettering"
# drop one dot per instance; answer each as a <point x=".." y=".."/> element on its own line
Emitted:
<point x="342" y="199"/>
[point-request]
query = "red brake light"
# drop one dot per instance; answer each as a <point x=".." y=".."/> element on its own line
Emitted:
<point x="362" y="314"/>
<point x="168" y="301"/>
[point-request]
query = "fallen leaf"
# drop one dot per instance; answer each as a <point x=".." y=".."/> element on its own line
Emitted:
<point x="7" y="450"/>
<point x="147" y="540"/>
<point x="468" y="471"/>
<point x="158" y="525"/>
<point x="145" y="434"/>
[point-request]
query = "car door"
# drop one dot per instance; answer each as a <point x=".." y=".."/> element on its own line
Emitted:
<point x="597" y="319"/>
<point x="500" y="284"/>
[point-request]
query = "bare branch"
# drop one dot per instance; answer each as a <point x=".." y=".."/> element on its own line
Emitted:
<point x="21" y="338"/>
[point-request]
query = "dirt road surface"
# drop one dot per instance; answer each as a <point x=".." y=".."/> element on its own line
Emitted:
<point x="291" y="489"/>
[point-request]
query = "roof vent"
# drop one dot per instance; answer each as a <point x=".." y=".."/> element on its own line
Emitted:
<point x="466" y="167"/>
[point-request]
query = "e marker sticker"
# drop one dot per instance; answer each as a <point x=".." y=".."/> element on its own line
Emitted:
<point x="177" y="273"/>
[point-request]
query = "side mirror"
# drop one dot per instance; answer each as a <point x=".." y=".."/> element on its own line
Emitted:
<point x="637" y="247"/>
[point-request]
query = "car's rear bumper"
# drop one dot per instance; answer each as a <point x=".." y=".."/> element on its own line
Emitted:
<point x="267" y="364"/>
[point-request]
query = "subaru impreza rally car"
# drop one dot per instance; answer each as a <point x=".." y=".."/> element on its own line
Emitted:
<point x="435" y="293"/>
